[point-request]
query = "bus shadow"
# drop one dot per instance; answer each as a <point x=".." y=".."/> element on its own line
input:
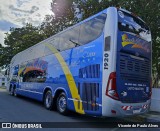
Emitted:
<point x="29" y="100"/>
<point x="81" y="118"/>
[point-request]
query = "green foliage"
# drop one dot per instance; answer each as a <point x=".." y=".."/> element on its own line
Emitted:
<point x="18" y="39"/>
<point x="62" y="8"/>
<point x="62" y="18"/>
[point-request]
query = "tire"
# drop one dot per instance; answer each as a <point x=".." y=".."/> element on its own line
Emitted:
<point x="11" y="91"/>
<point x="62" y="104"/>
<point x="48" y="100"/>
<point x="14" y="92"/>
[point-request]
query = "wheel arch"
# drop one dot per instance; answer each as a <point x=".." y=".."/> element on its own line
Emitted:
<point x="45" y="90"/>
<point x="58" y="91"/>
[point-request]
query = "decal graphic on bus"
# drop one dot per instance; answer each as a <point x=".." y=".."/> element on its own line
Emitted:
<point x="135" y="43"/>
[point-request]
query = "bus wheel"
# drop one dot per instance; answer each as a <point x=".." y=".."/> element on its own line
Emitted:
<point x="12" y="91"/>
<point x="62" y="104"/>
<point x="48" y="100"/>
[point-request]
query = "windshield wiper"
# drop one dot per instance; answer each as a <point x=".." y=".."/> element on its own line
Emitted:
<point x="76" y="44"/>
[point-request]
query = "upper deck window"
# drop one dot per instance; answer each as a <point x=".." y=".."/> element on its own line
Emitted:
<point x="132" y="24"/>
<point x="92" y="29"/>
<point x="79" y="35"/>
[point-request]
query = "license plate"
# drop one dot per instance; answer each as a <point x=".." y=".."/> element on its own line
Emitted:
<point x="136" y="111"/>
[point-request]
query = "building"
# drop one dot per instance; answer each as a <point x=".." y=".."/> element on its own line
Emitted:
<point x="3" y="80"/>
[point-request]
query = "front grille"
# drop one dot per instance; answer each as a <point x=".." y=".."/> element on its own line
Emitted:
<point x="134" y="69"/>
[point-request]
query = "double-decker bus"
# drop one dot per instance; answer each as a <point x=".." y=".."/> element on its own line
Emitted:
<point x="100" y="66"/>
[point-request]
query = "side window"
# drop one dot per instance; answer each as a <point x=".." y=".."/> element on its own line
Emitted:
<point x="30" y="54"/>
<point x="92" y="29"/>
<point x="33" y="71"/>
<point x="38" y="50"/>
<point x="54" y="42"/>
<point x="69" y="39"/>
<point x="74" y="36"/>
<point x="79" y="35"/>
<point x="34" y="76"/>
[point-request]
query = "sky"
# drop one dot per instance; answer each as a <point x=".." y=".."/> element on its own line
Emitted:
<point x="16" y="13"/>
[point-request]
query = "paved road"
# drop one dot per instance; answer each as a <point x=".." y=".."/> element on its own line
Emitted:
<point x="20" y="109"/>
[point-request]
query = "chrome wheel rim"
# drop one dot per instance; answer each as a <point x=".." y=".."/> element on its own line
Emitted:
<point x="15" y="94"/>
<point x="62" y="104"/>
<point x="48" y="100"/>
<point x="11" y="91"/>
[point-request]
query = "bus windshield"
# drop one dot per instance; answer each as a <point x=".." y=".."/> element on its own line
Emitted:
<point x="133" y="25"/>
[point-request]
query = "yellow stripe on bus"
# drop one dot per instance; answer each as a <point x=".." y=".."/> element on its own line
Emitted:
<point x="72" y="85"/>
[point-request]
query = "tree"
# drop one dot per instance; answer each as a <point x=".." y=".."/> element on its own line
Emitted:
<point x="63" y="17"/>
<point x="63" y="8"/>
<point x="17" y="40"/>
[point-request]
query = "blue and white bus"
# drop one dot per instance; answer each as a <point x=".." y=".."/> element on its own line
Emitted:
<point x="100" y="66"/>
